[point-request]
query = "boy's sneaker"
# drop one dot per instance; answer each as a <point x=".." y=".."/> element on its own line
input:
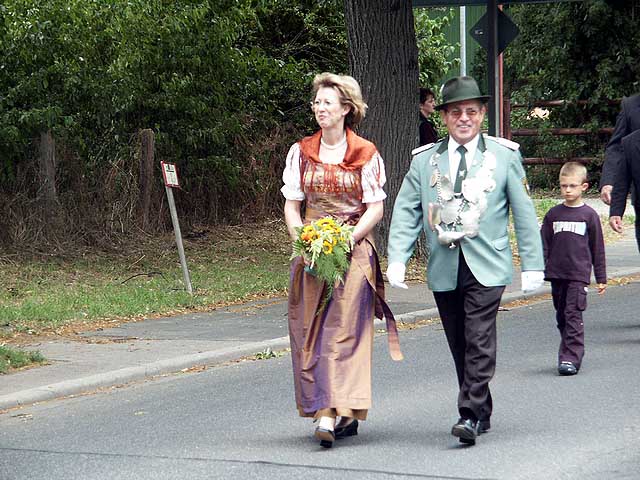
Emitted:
<point x="567" y="368"/>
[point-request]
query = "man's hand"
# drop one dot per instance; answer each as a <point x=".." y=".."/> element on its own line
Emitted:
<point x="602" y="287"/>
<point x="531" y="280"/>
<point x="605" y="194"/>
<point x="395" y="275"/>
<point x="616" y="223"/>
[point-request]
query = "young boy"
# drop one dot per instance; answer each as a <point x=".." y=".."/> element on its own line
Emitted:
<point x="572" y="242"/>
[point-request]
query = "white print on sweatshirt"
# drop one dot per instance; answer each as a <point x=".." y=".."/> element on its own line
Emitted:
<point x="579" y="228"/>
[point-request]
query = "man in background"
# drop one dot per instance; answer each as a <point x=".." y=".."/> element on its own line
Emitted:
<point x="616" y="171"/>
<point x="627" y="175"/>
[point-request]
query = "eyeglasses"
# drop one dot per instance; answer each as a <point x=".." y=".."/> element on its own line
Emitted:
<point x="457" y="113"/>
<point x="320" y="103"/>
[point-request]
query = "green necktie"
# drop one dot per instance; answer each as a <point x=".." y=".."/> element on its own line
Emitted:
<point x="462" y="170"/>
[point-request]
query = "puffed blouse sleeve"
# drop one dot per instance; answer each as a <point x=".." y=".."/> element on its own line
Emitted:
<point x="291" y="175"/>
<point x="373" y="179"/>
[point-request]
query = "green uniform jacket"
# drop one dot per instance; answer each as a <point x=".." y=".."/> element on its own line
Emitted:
<point x="488" y="254"/>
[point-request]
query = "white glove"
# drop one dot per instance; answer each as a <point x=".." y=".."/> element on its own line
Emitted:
<point x="395" y="275"/>
<point x="532" y="280"/>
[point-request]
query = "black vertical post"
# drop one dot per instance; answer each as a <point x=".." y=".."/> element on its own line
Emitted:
<point x="492" y="70"/>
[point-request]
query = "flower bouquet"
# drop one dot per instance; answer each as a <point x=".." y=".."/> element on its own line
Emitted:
<point x="325" y="245"/>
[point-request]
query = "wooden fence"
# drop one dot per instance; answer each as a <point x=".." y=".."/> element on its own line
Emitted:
<point x="528" y="132"/>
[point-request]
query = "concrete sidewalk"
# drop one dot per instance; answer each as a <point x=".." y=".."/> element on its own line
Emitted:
<point x="140" y="350"/>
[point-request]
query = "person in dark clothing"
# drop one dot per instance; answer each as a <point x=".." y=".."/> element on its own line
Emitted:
<point x="428" y="132"/>
<point x="615" y="169"/>
<point x="572" y="242"/>
<point x="627" y="175"/>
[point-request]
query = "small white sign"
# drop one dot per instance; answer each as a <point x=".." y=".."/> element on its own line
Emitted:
<point x="170" y="174"/>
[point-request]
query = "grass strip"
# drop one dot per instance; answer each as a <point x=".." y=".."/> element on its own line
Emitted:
<point x="48" y="293"/>
<point x="11" y="359"/>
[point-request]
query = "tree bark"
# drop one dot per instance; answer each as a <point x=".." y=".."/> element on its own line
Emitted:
<point x="383" y="58"/>
<point x="145" y="179"/>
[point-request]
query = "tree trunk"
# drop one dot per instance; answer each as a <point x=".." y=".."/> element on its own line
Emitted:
<point x="145" y="179"/>
<point x="383" y="57"/>
<point x="47" y="169"/>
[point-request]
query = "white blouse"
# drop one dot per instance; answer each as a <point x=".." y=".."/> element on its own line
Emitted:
<point x="373" y="177"/>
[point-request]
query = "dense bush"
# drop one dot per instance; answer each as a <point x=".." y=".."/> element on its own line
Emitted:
<point x="222" y="83"/>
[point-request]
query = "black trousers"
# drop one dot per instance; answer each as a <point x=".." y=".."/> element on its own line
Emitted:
<point x="468" y="316"/>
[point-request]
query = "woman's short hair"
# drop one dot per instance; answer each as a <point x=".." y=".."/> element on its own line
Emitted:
<point x="426" y="93"/>
<point x="348" y="91"/>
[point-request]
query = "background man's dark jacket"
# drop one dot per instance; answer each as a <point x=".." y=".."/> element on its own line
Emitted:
<point x="627" y="171"/>
<point x="628" y="121"/>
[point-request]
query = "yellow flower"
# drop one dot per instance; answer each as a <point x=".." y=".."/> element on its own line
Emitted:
<point x="325" y="243"/>
<point x="325" y="221"/>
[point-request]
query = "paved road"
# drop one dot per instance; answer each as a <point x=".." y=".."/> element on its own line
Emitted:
<point x="238" y="421"/>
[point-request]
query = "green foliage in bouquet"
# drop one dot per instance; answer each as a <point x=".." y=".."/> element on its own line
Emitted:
<point x="325" y="245"/>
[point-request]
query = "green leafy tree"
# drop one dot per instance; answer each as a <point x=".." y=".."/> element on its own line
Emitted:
<point x="219" y="81"/>
<point x="570" y="51"/>
<point x="434" y="52"/>
<point x="224" y="84"/>
<point x="577" y="50"/>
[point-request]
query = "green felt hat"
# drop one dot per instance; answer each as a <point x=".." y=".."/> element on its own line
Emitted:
<point x="458" y="89"/>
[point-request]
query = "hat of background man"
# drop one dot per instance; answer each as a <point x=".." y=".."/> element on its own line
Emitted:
<point x="458" y="89"/>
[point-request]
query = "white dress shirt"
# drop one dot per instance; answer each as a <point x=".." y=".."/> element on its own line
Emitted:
<point x="454" y="155"/>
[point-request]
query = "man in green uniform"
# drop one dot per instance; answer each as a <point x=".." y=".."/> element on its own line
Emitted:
<point x="460" y="191"/>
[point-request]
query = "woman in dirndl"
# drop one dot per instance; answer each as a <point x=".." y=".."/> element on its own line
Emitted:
<point x="339" y="174"/>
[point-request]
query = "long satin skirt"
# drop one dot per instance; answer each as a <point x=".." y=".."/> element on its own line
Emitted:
<point x="331" y="352"/>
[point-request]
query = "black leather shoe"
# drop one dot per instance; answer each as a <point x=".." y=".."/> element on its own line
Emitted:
<point x="567" y="368"/>
<point x="326" y="437"/>
<point x="484" y="426"/>
<point x="348" y="430"/>
<point x="466" y="430"/>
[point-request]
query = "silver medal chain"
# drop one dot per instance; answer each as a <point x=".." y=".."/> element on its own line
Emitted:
<point x="463" y="203"/>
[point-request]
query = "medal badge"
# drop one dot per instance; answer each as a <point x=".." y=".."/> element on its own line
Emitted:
<point x="455" y="217"/>
<point x="450" y="211"/>
<point x="434" y="215"/>
<point x="446" y="188"/>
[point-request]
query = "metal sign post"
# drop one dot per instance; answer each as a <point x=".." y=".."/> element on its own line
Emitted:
<point x="492" y="64"/>
<point x="170" y="176"/>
